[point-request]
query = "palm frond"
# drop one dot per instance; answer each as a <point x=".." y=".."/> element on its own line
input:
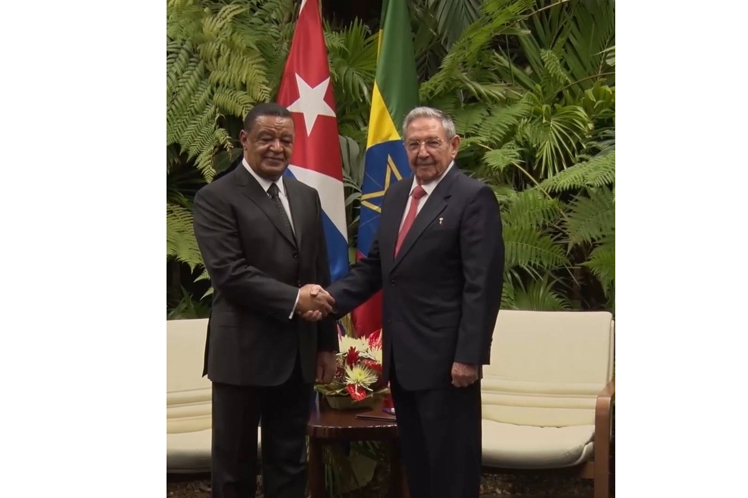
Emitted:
<point x="353" y="57"/>
<point x="590" y="27"/>
<point x="454" y="16"/>
<point x="539" y="295"/>
<point x="468" y="59"/>
<point x="555" y="133"/>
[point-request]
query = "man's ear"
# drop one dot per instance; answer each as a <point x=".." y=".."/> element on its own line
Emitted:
<point x="455" y="143"/>
<point x="243" y="138"/>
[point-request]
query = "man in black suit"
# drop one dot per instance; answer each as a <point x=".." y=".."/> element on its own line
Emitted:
<point x="262" y="240"/>
<point x="438" y="255"/>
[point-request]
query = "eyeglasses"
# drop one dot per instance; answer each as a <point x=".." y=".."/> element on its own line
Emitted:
<point x="431" y="144"/>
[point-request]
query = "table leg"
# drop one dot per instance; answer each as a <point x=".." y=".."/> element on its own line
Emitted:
<point x="316" y="469"/>
<point x="398" y="482"/>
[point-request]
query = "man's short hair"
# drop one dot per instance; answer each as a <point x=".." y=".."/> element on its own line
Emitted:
<point x="430" y="112"/>
<point x="264" y="109"/>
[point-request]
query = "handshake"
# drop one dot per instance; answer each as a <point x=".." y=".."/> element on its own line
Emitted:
<point x="315" y="303"/>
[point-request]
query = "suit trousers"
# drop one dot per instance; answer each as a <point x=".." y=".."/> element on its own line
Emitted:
<point x="282" y="412"/>
<point x="440" y="439"/>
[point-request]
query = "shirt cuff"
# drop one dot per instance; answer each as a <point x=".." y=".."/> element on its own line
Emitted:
<point x="294" y="305"/>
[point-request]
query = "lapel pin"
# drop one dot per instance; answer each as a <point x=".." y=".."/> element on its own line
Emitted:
<point x="441" y="220"/>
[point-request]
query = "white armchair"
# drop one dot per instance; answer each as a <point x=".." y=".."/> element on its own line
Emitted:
<point x="548" y="394"/>
<point x="188" y="398"/>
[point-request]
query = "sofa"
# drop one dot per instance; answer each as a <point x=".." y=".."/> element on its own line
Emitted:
<point x="188" y="398"/>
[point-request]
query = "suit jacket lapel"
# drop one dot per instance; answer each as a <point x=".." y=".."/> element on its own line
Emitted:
<point x="255" y="192"/>
<point x="435" y="204"/>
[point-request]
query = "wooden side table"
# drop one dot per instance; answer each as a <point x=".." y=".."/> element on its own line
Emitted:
<point x="328" y="426"/>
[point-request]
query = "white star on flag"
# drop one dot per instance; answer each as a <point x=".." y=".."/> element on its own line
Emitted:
<point x="311" y="102"/>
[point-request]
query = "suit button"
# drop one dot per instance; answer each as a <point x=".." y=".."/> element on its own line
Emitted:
<point x="393" y="282"/>
<point x="295" y="254"/>
<point x="389" y="321"/>
<point x="298" y="283"/>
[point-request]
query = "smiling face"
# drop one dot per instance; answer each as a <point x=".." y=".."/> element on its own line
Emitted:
<point x="268" y="145"/>
<point x="429" y="150"/>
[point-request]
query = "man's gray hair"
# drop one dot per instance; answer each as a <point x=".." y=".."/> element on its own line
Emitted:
<point x="430" y="112"/>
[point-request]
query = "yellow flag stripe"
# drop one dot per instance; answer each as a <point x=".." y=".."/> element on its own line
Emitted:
<point x="381" y="127"/>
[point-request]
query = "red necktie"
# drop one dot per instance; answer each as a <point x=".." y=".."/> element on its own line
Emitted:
<point x="418" y="192"/>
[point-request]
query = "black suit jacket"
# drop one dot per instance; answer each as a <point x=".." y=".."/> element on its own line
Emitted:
<point x="256" y="266"/>
<point x="442" y="292"/>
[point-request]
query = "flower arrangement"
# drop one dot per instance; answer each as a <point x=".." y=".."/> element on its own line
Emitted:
<point x="358" y="376"/>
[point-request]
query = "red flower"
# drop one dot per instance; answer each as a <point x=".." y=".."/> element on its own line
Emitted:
<point x="339" y="372"/>
<point x="375" y="339"/>
<point x="357" y="393"/>
<point x="352" y="357"/>
<point x="373" y="365"/>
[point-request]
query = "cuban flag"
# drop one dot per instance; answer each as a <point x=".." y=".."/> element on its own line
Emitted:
<point x="306" y="91"/>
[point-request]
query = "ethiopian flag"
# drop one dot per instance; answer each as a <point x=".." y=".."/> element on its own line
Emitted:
<point x="395" y="94"/>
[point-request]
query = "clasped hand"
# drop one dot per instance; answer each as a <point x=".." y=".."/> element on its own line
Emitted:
<point x="315" y="303"/>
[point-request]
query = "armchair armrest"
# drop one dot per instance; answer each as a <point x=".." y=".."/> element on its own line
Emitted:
<point x="603" y="429"/>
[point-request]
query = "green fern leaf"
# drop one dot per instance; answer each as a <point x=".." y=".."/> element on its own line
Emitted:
<point x="591" y="217"/>
<point x="553" y="69"/>
<point x="498" y="126"/>
<point x="530" y="247"/>
<point x="469" y="120"/>
<point x="539" y="296"/>
<point x="180" y="237"/>
<point x="602" y="263"/>
<point x="507" y="295"/>
<point x="598" y="171"/>
<point x="500" y="159"/>
<point x="532" y="209"/>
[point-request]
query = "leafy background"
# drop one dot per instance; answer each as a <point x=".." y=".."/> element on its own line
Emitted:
<point x="530" y="84"/>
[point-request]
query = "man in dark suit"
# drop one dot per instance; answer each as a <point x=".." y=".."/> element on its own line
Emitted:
<point x="262" y="240"/>
<point x="439" y="257"/>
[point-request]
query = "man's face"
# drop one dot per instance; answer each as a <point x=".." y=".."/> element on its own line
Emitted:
<point x="268" y="145"/>
<point x="429" y="151"/>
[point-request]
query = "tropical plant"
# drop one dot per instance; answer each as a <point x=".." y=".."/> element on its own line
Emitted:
<point x="530" y="84"/>
<point x="222" y="58"/>
<point x="531" y="87"/>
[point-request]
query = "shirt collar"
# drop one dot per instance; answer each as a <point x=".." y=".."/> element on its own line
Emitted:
<point x="264" y="182"/>
<point x="430" y="186"/>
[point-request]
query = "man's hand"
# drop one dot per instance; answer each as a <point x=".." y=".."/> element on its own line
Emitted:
<point x="463" y="375"/>
<point x="314" y="303"/>
<point x="322" y="303"/>
<point x="326" y="366"/>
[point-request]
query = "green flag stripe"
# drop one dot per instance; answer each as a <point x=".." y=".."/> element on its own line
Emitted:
<point x="396" y="66"/>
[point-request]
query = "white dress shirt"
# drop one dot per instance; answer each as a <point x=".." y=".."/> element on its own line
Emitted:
<point x="265" y="184"/>
<point x="428" y="187"/>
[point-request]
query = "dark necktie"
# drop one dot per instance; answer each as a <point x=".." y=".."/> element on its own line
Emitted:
<point x="274" y="194"/>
